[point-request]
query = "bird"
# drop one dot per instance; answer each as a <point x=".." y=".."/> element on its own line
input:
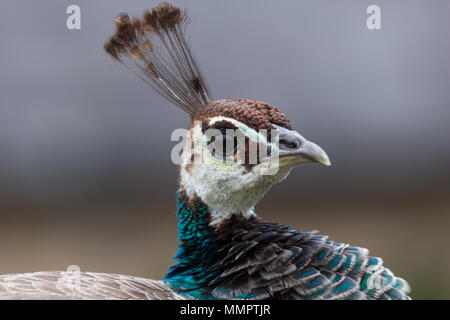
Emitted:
<point x="226" y="251"/>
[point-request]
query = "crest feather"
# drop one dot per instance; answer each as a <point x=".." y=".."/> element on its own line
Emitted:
<point x="155" y="49"/>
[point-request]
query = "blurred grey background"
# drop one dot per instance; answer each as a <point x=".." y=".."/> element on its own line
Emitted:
<point x="85" y="171"/>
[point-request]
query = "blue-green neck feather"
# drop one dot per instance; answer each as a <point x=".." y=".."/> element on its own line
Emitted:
<point x="194" y="233"/>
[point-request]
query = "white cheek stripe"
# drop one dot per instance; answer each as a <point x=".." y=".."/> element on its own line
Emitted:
<point x="249" y="132"/>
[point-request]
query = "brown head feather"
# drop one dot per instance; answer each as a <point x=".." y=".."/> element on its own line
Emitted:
<point x="255" y="114"/>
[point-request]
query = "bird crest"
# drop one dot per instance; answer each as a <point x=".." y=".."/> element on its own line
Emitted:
<point x="155" y="49"/>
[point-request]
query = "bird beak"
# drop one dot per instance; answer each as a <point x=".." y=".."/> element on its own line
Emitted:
<point x="308" y="152"/>
<point x="295" y="149"/>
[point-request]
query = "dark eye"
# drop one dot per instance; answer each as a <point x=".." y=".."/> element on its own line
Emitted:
<point x="222" y="145"/>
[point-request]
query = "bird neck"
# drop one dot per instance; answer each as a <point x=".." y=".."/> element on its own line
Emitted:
<point x="195" y="235"/>
<point x="202" y="246"/>
<point x="193" y="222"/>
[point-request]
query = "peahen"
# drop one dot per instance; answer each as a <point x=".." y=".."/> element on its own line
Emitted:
<point x="226" y="251"/>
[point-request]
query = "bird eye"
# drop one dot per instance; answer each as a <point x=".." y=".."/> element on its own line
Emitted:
<point x="222" y="145"/>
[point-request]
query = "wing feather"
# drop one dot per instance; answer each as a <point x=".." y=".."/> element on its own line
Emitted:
<point x="68" y="285"/>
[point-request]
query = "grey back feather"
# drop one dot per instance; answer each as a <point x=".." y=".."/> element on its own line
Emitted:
<point x="68" y="285"/>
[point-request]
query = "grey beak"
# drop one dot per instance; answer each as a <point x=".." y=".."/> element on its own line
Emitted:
<point x="313" y="152"/>
<point x="294" y="146"/>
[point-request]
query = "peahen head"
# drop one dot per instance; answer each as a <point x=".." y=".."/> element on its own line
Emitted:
<point x="236" y="148"/>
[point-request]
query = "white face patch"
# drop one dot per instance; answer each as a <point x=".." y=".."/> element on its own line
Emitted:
<point x="226" y="188"/>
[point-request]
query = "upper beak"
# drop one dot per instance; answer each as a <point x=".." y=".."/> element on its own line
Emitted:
<point x="295" y="149"/>
<point x="310" y="152"/>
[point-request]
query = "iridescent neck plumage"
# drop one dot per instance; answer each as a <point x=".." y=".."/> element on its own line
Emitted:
<point x="195" y="234"/>
<point x="202" y="248"/>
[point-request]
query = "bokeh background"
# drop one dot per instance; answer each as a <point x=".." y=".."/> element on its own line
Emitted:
<point x="85" y="171"/>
